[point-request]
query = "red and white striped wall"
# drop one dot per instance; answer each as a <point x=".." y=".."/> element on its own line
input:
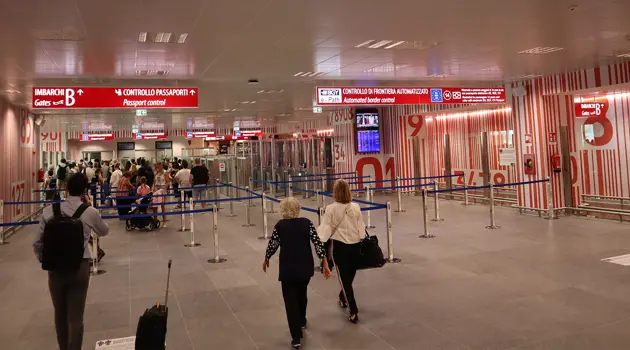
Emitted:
<point x="18" y="175"/>
<point x="601" y="169"/>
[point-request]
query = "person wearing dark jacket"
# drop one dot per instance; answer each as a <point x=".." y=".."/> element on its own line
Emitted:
<point x="293" y="235"/>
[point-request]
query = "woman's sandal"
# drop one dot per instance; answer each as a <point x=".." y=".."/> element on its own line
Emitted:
<point x="354" y="318"/>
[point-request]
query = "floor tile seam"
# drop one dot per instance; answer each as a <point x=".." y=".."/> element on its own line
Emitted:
<point x="567" y="334"/>
<point x="181" y="313"/>
<point x="279" y="306"/>
<point x="224" y="300"/>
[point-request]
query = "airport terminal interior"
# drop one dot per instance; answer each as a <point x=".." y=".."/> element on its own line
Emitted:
<point x="486" y="143"/>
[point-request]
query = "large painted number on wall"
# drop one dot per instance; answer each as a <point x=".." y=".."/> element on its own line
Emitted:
<point x="604" y="138"/>
<point x="17" y="195"/>
<point x="377" y="166"/>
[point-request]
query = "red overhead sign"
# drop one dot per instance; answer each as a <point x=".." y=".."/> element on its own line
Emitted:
<point x="113" y="97"/>
<point x="200" y="134"/>
<point x="228" y="138"/>
<point x="247" y="133"/>
<point x="593" y="108"/>
<point x="97" y="137"/>
<point x="150" y="136"/>
<point x="407" y="95"/>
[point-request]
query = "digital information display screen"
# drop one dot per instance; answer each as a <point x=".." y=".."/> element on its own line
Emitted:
<point x="367" y="120"/>
<point x="368" y="141"/>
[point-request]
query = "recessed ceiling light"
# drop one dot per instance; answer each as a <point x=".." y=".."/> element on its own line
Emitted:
<point x="380" y="44"/>
<point x="11" y="91"/>
<point x="365" y="43"/>
<point x="625" y="55"/>
<point x="527" y="76"/>
<point x="308" y="74"/>
<point x="182" y="38"/>
<point x="272" y="91"/>
<point x="162" y="37"/>
<point x="541" y="50"/>
<point x="440" y="75"/>
<point x="142" y="37"/>
<point x="386" y="68"/>
<point x="394" y="44"/>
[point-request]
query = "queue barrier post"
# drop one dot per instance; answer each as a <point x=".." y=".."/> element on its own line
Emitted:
<point x="95" y="271"/>
<point x="324" y="183"/>
<point x="436" y="203"/>
<point x="286" y="188"/>
<point x="320" y="214"/>
<point x="248" y="220"/>
<point x="253" y="189"/>
<point x="231" y="195"/>
<point x="425" y="219"/>
<point x="182" y="217"/>
<point x="399" y="196"/>
<point x="193" y="243"/>
<point x="318" y="195"/>
<point x="465" y="190"/>
<point x="290" y="185"/>
<point x="217" y="192"/>
<point x="551" y="214"/>
<point x="368" y="198"/>
<point x="264" y="217"/>
<point x="305" y="192"/>
<point x="390" y="238"/>
<point x="2" y="222"/>
<point x="493" y="224"/>
<point x="215" y="231"/>
<point x="249" y="201"/>
<point x="273" y="194"/>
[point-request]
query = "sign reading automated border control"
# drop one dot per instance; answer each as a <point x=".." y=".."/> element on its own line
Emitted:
<point x="407" y="95"/>
<point x="113" y="97"/>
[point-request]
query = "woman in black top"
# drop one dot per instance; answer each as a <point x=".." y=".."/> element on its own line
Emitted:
<point x="294" y="236"/>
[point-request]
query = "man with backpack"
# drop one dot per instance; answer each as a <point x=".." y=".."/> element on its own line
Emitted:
<point x="62" y="248"/>
<point x="62" y="175"/>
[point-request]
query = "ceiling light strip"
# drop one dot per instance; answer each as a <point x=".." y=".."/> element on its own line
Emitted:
<point x="365" y="43"/>
<point x="398" y="43"/>
<point x="380" y="44"/>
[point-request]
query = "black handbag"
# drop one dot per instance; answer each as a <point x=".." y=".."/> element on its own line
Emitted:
<point x="371" y="253"/>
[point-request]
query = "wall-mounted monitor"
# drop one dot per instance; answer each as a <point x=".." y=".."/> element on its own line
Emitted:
<point x="126" y="146"/>
<point x="368" y="136"/>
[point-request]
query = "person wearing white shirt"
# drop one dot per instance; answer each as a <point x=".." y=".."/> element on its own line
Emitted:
<point x="89" y="172"/>
<point x="183" y="178"/>
<point x="343" y="224"/>
<point x="115" y="179"/>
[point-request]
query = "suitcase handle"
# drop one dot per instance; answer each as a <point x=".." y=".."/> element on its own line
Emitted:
<point x="168" y="280"/>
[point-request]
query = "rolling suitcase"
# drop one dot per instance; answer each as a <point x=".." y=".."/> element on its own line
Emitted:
<point x="151" y="331"/>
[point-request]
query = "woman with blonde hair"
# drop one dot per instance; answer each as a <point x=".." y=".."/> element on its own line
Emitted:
<point x="293" y="235"/>
<point x="343" y="224"/>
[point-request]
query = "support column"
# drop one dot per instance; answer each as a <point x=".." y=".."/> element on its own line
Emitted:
<point x="447" y="161"/>
<point x="485" y="163"/>
<point x="565" y="176"/>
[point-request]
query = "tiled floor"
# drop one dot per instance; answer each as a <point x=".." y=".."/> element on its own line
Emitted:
<point x="533" y="284"/>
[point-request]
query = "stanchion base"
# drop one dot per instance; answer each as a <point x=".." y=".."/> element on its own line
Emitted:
<point x="437" y="219"/>
<point x="272" y="211"/>
<point x="192" y="245"/>
<point x="399" y="211"/>
<point x="490" y="227"/>
<point x="393" y="261"/>
<point x="217" y="261"/>
<point x="246" y="225"/>
<point x="263" y="237"/>
<point x="553" y="218"/>
<point x="4" y="243"/>
<point x="97" y="272"/>
<point x="466" y="204"/>
<point x="183" y="230"/>
<point x="252" y="205"/>
<point x="427" y="235"/>
<point x="370" y="227"/>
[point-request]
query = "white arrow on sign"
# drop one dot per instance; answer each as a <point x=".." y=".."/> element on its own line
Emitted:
<point x="80" y="92"/>
<point x="192" y="92"/>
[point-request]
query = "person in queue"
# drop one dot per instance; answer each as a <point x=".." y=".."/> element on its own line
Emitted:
<point x="68" y="287"/>
<point x="143" y="189"/>
<point x="343" y="224"/>
<point x="150" y="175"/>
<point x="174" y="168"/>
<point x="160" y="189"/>
<point x="294" y="235"/>
<point x="125" y="189"/>
<point x="183" y="179"/>
<point x="50" y="185"/>
<point x="200" y="179"/>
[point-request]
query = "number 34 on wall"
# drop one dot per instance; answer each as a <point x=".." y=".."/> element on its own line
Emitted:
<point x="16" y="212"/>
<point x="340" y="152"/>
